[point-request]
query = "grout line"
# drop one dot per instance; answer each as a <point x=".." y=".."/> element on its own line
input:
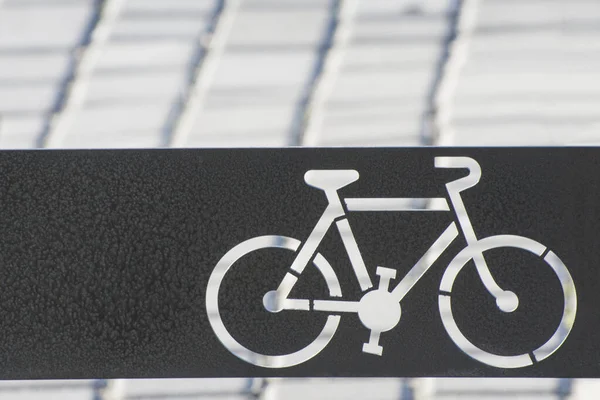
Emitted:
<point x="457" y="55"/>
<point x="108" y="389"/>
<point x="309" y="116"/>
<point x="194" y="99"/>
<point x="74" y="88"/>
<point x="428" y="129"/>
<point x="68" y="78"/>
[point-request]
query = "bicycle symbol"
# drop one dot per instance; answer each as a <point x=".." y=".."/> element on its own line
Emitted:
<point x="379" y="309"/>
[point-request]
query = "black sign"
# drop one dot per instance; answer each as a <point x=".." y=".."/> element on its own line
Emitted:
<point x="300" y="262"/>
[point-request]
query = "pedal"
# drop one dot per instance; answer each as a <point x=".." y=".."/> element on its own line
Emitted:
<point x="372" y="349"/>
<point x="372" y="346"/>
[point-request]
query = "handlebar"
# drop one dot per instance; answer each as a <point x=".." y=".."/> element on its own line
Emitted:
<point x="461" y="162"/>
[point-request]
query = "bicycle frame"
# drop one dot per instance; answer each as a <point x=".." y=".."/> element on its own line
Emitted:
<point x="335" y="212"/>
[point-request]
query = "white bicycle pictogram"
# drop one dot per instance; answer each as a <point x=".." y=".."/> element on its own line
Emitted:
<point x="379" y="309"/>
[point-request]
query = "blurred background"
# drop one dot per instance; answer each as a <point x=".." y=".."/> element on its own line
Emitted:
<point x="206" y="73"/>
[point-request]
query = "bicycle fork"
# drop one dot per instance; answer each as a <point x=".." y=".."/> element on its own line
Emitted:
<point x="506" y="300"/>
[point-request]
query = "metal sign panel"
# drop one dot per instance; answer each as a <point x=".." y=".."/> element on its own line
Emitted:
<point x="300" y="262"/>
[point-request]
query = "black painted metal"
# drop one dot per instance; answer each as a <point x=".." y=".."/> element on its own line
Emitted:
<point x="105" y="258"/>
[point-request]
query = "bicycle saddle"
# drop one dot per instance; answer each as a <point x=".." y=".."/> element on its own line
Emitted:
<point x="330" y="179"/>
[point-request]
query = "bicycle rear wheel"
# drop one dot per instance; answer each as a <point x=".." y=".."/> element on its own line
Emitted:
<point x="532" y="356"/>
<point x="224" y="266"/>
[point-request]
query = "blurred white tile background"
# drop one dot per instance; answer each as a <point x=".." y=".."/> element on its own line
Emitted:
<point x="199" y="73"/>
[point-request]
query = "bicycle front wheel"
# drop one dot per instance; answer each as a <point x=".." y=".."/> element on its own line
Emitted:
<point x="256" y="246"/>
<point x="531" y="356"/>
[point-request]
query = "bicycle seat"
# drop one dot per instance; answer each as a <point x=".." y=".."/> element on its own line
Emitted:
<point x="330" y="179"/>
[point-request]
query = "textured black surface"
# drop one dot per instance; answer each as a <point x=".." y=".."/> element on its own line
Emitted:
<point x="105" y="258"/>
